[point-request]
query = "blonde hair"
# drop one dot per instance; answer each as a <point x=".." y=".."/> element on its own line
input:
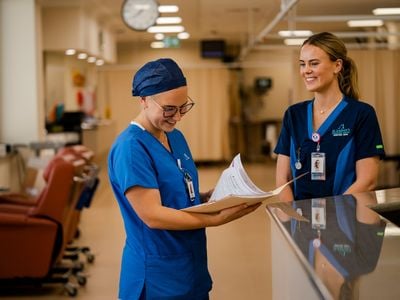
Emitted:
<point x="335" y="48"/>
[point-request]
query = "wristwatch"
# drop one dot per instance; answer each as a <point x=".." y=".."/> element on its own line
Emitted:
<point x="139" y="14"/>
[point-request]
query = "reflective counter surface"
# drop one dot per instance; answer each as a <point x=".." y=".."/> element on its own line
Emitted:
<point x="348" y="250"/>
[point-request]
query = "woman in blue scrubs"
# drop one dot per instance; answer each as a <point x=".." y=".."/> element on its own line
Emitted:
<point x="153" y="176"/>
<point x="334" y="136"/>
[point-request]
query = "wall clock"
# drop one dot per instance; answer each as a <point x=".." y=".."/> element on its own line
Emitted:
<point x="139" y="14"/>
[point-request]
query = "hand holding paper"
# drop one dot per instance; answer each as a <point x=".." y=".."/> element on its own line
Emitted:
<point x="234" y="187"/>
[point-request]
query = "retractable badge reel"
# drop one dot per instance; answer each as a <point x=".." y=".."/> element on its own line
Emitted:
<point x="298" y="164"/>
<point x="188" y="181"/>
<point x="317" y="160"/>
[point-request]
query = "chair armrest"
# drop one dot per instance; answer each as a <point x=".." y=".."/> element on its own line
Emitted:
<point x="17" y="198"/>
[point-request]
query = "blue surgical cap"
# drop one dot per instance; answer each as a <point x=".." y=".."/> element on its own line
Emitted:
<point x="156" y="77"/>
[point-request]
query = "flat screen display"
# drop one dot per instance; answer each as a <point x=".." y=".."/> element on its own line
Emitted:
<point x="212" y="48"/>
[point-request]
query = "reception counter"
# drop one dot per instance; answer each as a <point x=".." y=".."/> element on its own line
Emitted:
<point x="337" y="247"/>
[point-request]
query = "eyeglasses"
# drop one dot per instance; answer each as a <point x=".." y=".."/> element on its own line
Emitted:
<point x="170" y="110"/>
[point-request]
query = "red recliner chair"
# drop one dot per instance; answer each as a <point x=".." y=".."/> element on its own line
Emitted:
<point x="90" y="183"/>
<point x="31" y="236"/>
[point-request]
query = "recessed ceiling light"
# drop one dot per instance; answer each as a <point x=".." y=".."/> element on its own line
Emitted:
<point x="183" y="35"/>
<point x="159" y="36"/>
<point x="82" y="55"/>
<point x="157" y="45"/>
<point x="168" y="8"/>
<point x="169" y="20"/>
<point x="365" y="23"/>
<point x="70" y="52"/>
<point x="386" y="11"/>
<point x="289" y="33"/>
<point x="91" y="59"/>
<point x="165" y="29"/>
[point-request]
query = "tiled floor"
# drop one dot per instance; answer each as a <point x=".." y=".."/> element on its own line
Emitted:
<point x="239" y="252"/>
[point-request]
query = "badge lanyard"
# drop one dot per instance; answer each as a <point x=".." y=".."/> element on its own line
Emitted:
<point x="188" y="181"/>
<point x="317" y="160"/>
<point x="318" y="219"/>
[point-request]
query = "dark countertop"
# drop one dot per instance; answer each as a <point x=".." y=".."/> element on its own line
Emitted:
<point x="344" y="245"/>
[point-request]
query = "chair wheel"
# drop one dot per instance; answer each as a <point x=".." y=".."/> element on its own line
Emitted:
<point x="90" y="258"/>
<point x="81" y="280"/>
<point x="71" y="290"/>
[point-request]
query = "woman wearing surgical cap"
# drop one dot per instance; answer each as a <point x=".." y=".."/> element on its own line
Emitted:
<point x="153" y="176"/>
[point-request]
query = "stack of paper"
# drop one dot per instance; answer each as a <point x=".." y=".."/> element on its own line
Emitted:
<point x="234" y="187"/>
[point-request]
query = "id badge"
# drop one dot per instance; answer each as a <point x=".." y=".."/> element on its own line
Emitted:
<point x="318" y="213"/>
<point x="189" y="186"/>
<point x="317" y="166"/>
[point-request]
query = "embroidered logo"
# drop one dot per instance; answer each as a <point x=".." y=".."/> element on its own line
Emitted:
<point x="342" y="249"/>
<point x="341" y="131"/>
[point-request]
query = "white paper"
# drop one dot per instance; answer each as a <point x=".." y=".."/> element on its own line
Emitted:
<point x="234" y="187"/>
<point x="235" y="181"/>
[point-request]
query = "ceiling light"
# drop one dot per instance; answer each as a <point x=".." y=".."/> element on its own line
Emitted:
<point x="386" y="11"/>
<point x="99" y="62"/>
<point x="168" y="8"/>
<point x="70" y="52"/>
<point x="91" y="59"/>
<point x="169" y="20"/>
<point x="289" y="33"/>
<point x="293" y="42"/>
<point x="159" y="36"/>
<point x="365" y="23"/>
<point x="165" y="29"/>
<point x="157" y="45"/>
<point x="183" y="35"/>
<point x="82" y="55"/>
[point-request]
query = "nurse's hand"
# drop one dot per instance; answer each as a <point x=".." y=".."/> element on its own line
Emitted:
<point x="232" y="213"/>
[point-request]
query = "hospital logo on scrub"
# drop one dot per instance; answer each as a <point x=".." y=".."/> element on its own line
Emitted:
<point x="341" y="131"/>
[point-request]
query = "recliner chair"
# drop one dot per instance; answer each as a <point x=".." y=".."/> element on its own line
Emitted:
<point x="31" y="237"/>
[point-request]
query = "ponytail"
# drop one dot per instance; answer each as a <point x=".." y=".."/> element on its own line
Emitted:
<point x="348" y="79"/>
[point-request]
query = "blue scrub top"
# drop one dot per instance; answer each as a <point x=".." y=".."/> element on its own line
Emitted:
<point x="351" y="132"/>
<point x="166" y="264"/>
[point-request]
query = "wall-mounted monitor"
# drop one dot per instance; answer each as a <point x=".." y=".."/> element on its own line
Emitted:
<point x="212" y="48"/>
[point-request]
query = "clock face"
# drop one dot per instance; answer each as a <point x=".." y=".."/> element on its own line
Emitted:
<point x="139" y="14"/>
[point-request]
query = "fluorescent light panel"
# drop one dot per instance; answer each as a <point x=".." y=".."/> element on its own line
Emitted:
<point x="165" y="29"/>
<point x="168" y="8"/>
<point x="169" y="20"/>
<point x="365" y="23"/>
<point x="289" y="33"/>
<point x="293" y="42"/>
<point x="386" y="11"/>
